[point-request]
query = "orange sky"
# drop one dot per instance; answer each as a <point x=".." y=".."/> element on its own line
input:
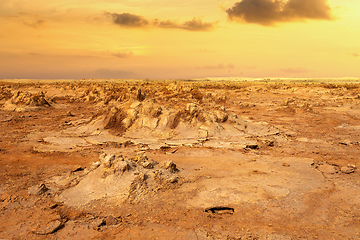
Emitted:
<point x="176" y="39"/>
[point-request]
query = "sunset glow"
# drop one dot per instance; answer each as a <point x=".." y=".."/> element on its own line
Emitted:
<point x="172" y="39"/>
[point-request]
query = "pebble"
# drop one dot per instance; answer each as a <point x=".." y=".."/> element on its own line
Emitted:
<point x="347" y="169"/>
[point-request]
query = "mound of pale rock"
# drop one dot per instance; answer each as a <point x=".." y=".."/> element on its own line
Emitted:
<point x="148" y="121"/>
<point x="22" y="101"/>
<point x="116" y="178"/>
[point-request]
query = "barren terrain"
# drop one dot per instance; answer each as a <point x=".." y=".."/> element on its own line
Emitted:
<point x="179" y="160"/>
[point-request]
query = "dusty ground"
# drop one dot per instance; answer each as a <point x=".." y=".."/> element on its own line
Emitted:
<point x="179" y="160"/>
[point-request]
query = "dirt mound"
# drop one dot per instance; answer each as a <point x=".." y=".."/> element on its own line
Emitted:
<point x="116" y="178"/>
<point x="22" y="101"/>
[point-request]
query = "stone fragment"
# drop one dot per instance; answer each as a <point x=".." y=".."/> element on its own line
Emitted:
<point x="169" y="165"/>
<point x="252" y="146"/>
<point x="122" y="166"/>
<point x="221" y="116"/>
<point x="95" y="165"/>
<point x="147" y="164"/>
<point x="107" y="160"/>
<point x="39" y="190"/>
<point x="348" y="169"/>
<point x="97" y="223"/>
<point x="173" y="179"/>
<point x="50" y="228"/>
<point x="110" y="220"/>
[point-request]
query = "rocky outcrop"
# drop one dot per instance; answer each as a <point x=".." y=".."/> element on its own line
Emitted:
<point x="117" y="178"/>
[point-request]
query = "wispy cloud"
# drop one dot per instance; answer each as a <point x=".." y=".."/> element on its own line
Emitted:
<point x="123" y="54"/>
<point x="135" y="21"/>
<point x="269" y="12"/>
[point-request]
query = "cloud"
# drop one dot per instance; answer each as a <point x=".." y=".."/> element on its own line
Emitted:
<point x="135" y="21"/>
<point x="128" y="20"/>
<point x="123" y="54"/>
<point x="31" y="20"/>
<point x="197" y="25"/>
<point x="269" y="12"/>
<point x="193" y="25"/>
<point x="34" y="23"/>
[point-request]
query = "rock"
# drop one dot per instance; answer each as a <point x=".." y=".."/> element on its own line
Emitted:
<point x="110" y="220"/>
<point x="169" y="165"/>
<point x="252" y="146"/>
<point x="97" y="223"/>
<point x="346" y="142"/>
<point x="327" y="168"/>
<point x="147" y="164"/>
<point x="77" y="168"/>
<point x="50" y="228"/>
<point x="107" y="159"/>
<point x="122" y="166"/>
<point x="140" y="157"/>
<point x="95" y="165"/>
<point x="348" y="169"/>
<point x="286" y="165"/>
<point x="173" y="179"/>
<point x="42" y="189"/>
<point x="220" y="210"/>
<point x="30" y="99"/>
<point x="221" y="116"/>
<point x="192" y="108"/>
<point x="38" y="190"/>
<point x="6" y="118"/>
<point x="140" y="96"/>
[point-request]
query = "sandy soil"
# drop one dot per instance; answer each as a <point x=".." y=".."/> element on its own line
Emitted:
<point x="179" y="160"/>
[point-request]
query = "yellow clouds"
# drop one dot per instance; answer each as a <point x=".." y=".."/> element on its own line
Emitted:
<point x="129" y="20"/>
<point x="268" y="12"/>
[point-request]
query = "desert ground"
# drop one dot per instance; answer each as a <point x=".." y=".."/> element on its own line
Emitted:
<point x="165" y="159"/>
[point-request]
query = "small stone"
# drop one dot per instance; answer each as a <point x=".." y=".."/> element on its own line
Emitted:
<point x="347" y="169"/>
<point x="77" y="168"/>
<point x="39" y="190"/>
<point x="169" y="165"/>
<point x="110" y="220"/>
<point x="97" y="223"/>
<point x="286" y="165"/>
<point x="252" y="146"/>
<point x="173" y="179"/>
<point x="69" y="114"/>
<point x="147" y="165"/>
<point x="49" y="228"/>
<point x="122" y="166"/>
<point x="95" y="165"/>
<point x="107" y="160"/>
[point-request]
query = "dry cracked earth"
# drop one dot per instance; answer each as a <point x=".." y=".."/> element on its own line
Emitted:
<point x="190" y="160"/>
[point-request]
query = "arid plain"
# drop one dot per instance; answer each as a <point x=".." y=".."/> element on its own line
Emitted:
<point x="146" y="159"/>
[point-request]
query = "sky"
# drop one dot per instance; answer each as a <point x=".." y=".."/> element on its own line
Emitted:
<point x="153" y="39"/>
